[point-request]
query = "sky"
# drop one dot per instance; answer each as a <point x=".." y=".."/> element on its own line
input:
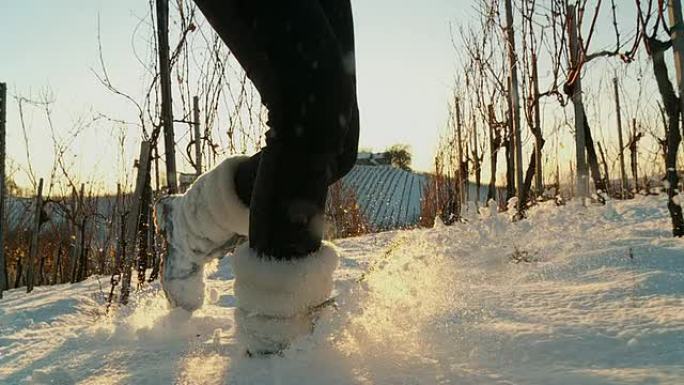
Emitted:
<point x="405" y="65"/>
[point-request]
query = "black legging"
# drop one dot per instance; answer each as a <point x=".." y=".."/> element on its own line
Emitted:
<point x="300" y="56"/>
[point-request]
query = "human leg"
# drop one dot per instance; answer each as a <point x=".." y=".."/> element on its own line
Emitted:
<point x="339" y="16"/>
<point x="292" y="55"/>
<point x="284" y="270"/>
<point x="199" y="226"/>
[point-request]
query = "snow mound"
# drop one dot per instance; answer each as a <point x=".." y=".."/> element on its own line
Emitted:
<point x="569" y="296"/>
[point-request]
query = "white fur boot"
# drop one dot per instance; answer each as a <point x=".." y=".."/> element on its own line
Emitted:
<point x="276" y="298"/>
<point x="199" y="225"/>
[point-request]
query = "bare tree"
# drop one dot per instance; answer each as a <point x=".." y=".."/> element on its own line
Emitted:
<point x="3" y="157"/>
<point x="514" y="96"/>
<point x="621" y="149"/>
<point x="633" y="146"/>
<point x="494" y="145"/>
<point x="672" y="103"/>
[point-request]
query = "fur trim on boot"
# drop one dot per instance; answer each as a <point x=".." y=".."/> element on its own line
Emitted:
<point x="198" y="226"/>
<point x="275" y="298"/>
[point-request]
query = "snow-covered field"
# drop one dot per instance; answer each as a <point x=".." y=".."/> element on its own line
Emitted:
<point x="601" y="303"/>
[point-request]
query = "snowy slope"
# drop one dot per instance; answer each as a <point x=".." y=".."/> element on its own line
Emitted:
<point x="603" y="304"/>
<point x="389" y="197"/>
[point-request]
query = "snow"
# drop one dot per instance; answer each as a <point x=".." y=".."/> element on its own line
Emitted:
<point x="389" y="197"/>
<point x="602" y="304"/>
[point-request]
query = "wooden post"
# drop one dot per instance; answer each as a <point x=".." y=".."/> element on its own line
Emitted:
<point x="459" y="179"/>
<point x="79" y="222"/>
<point x="476" y="163"/>
<point x="119" y="215"/>
<point x="152" y="233"/>
<point x="466" y="172"/>
<point x="144" y="234"/>
<point x="83" y="252"/>
<point x="166" y="102"/>
<point x="634" y="155"/>
<point x="510" y="152"/>
<point x="118" y="257"/>
<point x="493" y="148"/>
<point x="515" y="102"/>
<point x="198" y="141"/>
<point x="3" y="118"/>
<point x="605" y="168"/>
<point x="538" y="165"/>
<point x="73" y="252"/>
<point x="621" y="143"/>
<point x="133" y="219"/>
<point x="582" y="181"/>
<point x="33" y="247"/>
<point x="157" y="185"/>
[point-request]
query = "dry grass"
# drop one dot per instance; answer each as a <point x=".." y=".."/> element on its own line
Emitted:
<point x="344" y="215"/>
<point x="439" y="199"/>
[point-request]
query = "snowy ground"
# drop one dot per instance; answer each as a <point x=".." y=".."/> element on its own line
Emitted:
<point x="602" y="304"/>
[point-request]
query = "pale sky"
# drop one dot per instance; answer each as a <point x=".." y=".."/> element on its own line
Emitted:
<point x="405" y="70"/>
<point x="405" y="58"/>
